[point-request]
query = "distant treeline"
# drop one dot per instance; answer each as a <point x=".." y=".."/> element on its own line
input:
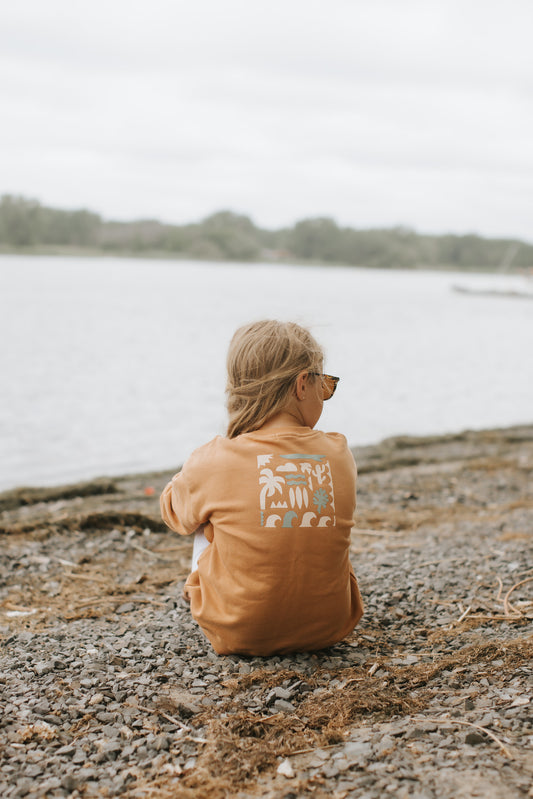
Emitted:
<point x="27" y="225"/>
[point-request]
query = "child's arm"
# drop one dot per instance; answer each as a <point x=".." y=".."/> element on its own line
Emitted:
<point x="170" y="517"/>
<point x="183" y="501"/>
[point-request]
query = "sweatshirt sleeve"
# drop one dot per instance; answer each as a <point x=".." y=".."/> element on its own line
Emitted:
<point x="183" y="505"/>
<point x="170" y="517"/>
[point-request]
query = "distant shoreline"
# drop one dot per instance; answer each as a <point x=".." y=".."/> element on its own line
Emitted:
<point x="159" y="255"/>
<point x="27" y="227"/>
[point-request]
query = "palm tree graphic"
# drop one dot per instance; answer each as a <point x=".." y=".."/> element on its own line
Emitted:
<point x="320" y="499"/>
<point x="271" y="483"/>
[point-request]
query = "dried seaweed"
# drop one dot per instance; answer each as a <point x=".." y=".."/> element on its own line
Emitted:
<point x="242" y="745"/>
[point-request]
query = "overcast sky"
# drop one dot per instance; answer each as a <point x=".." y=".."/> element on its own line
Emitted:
<point x="374" y="112"/>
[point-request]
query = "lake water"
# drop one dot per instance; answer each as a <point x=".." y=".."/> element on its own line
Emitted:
<point x="110" y="366"/>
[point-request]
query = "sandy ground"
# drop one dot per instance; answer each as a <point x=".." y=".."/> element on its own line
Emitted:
<point x="431" y="696"/>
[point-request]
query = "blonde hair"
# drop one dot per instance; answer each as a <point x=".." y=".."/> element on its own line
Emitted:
<point x="264" y="359"/>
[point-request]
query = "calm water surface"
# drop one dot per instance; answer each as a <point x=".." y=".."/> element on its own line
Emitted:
<point x="115" y="365"/>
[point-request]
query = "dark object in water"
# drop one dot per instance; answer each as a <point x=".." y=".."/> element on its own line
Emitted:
<point x="526" y="295"/>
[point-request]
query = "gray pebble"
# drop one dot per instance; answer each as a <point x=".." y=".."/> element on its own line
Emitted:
<point x="69" y="783"/>
<point x="282" y="706"/>
<point x="356" y="751"/>
<point x="474" y="738"/>
<point x="33" y="770"/>
<point x="127" y="607"/>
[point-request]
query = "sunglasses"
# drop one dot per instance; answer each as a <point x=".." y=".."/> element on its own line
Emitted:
<point x="329" y="384"/>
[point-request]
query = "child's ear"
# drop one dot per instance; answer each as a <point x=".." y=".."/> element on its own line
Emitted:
<point x="301" y="385"/>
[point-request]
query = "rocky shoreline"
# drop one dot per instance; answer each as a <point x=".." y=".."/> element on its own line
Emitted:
<point x="108" y="688"/>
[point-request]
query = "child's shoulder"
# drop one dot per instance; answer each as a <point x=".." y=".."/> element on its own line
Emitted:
<point x="333" y="436"/>
<point x="201" y="456"/>
<point x="207" y="450"/>
<point x="335" y="439"/>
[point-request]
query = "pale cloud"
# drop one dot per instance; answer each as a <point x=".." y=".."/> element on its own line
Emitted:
<point x="375" y="112"/>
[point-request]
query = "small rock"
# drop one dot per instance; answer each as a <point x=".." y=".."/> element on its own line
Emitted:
<point x="160" y="742"/>
<point x="342" y="764"/>
<point x="24" y="786"/>
<point x="33" y="770"/>
<point x="50" y="785"/>
<point x="51" y="719"/>
<point x="385" y="745"/>
<point x="127" y="607"/>
<point x="86" y="773"/>
<point x="282" y="706"/>
<point x="331" y="770"/>
<point x="355" y="751"/>
<point x="68" y="749"/>
<point x="283" y="693"/>
<point x="69" y="783"/>
<point x="43" y="667"/>
<point x="474" y="738"/>
<point x="285" y="769"/>
<point x="520" y="701"/>
<point x="186" y="703"/>
<point x="415" y="733"/>
<point x="318" y="758"/>
<point x="96" y="699"/>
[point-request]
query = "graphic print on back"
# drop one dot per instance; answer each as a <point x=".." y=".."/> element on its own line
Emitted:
<point x="295" y="491"/>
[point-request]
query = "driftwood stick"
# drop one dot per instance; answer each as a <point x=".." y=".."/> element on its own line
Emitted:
<point x="116" y="600"/>
<point x="506" y="604"/>
<point x="526" y="571"/>
<point x="496" y="617"/>
<point x="464" y="614"/>
<point x="64" y="562"/>
<point x="89" y="602"/>
<point x="88" y="577"/>
<point x="442" y="560"/>
<point x="504" y="749"/>
<point x="156" y="712"/>
<point x="145" y="551"/>
<point x="13" y="606"/>
<point x="312" y="749"/>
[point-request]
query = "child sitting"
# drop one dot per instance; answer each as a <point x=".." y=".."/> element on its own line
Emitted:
<point x="272" y="505"/>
